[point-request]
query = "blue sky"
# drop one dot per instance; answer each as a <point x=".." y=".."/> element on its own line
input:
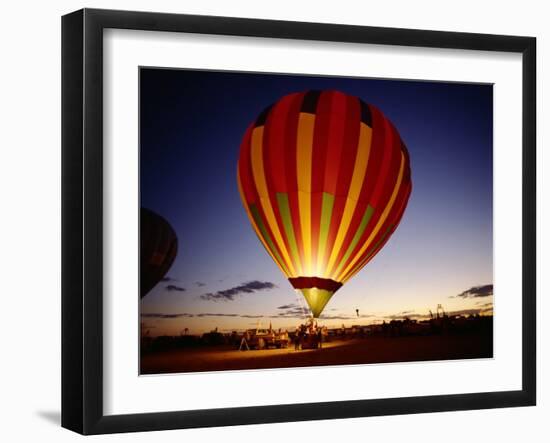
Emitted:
<point x="191" y="125"/>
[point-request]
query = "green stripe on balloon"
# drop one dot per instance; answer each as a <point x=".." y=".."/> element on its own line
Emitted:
<point x="362" y="226"/>
<point x="371" y="251"/>
<point x="265" y="235"/>
<point x="284" y="209"/>
<point x="326" y="216"/>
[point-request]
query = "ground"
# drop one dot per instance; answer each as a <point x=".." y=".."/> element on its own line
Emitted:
<point x="350" y="351"/>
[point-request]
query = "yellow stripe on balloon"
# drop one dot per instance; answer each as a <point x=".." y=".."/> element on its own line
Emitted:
<point x="259" y="179"/>
<point x="381" y="220"/>
<point x="358" y="177"/>
<point x="304" y="148"/>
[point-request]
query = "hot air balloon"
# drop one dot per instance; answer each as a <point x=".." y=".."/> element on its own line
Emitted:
<point x="158" y="249"/>
<point x="324" y="178"/>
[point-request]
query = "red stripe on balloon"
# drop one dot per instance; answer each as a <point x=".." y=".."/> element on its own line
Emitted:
<point x="378" y="153"/>
<point x="249" y="186"/>
<point x="389" y="159"/>
<point x="291" y="135"/>
<point x="320" y="142"/>
<point x="319" y="161"/>
<point x="397" y="209"/>
<point x="385" y="182"/>
<point x="369" y="254"/>
<point x="245" y="169"/>
<point x="271" y="126"/>
<point x="338" y="114"/>
<point x="335" y="138"/>
<point x="347" y="166"/>
<point x="275" y="137"/>
<point x="349" y="146"/>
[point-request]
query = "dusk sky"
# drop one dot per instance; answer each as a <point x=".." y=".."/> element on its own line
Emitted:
<point x="192" y="123"/>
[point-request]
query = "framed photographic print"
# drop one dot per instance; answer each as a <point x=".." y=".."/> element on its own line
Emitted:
<point x="269" y="221"/>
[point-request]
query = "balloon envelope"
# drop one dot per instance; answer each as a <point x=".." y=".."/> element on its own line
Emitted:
<point x="325" y="179"/>
<point x="158" y="249"/>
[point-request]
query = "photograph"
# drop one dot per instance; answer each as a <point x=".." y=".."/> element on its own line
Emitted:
<point x="298" y="220"/>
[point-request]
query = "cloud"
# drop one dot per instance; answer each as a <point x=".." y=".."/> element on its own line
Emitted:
<point x="339" y="317"/>
<point x="165" y="279"/>
<point x="301" y="313"/>
<point x="208" y="314"/>
<point x="401" y="316"/>
<point x="290" y="313"/>
<point x="486" y="308"/>
<point x="157" y="315"/>
<point x="466" y="312"/>
<point x="476" y="291"/>
<point x="202" y="314"/>
<point x="174" y="288"/>
<point x="293" y="310"/>
<point x="289" y="306"/>
<point x="200" y="284"/>
<point x="290" y="310"/>
<point x="245" y="288"/>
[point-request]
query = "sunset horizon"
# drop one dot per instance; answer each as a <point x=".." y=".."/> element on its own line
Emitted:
<point x="477" y="300"/>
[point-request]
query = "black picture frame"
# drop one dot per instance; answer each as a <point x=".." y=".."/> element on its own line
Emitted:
<point x="82" y="219"/>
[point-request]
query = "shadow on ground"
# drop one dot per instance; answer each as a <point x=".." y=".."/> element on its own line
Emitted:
<point x="54" y="417"/>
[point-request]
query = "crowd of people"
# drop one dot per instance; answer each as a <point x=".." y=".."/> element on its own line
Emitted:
<point x="309" y="335"/>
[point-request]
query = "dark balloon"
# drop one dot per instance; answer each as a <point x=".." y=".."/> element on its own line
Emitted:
<point x="158" y="249"/>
